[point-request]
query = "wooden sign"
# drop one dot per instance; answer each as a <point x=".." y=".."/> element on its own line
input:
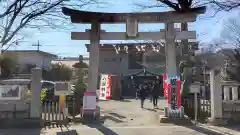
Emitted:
<point x="62" y="88"/>
<point x="131" y="28"/>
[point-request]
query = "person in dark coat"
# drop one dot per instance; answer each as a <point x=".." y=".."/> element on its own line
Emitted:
<point x="156" y="93"/>
<point x="143" y="93"/>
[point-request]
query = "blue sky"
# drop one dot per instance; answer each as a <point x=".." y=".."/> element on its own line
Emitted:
<point x="59" y="41"/>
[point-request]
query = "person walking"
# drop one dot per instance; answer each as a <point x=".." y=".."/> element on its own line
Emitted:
<point x="137" y="92"/>
<point x="156" y="93"/>
<point x="143" y="93"/>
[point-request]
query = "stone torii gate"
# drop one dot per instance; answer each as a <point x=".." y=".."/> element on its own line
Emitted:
<point x="131" y="20"/>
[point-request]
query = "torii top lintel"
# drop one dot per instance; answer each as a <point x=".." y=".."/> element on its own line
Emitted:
<point x="78" y="16"/>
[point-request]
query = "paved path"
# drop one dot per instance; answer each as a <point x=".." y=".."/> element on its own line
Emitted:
<point x="129" y="113"/>
<point x="127" y="118"/>
<point x="131" y="130"/>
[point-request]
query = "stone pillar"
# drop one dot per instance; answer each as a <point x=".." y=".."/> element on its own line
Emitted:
<point x="226" y="90"/>
<point x="171" y="63"/>
<point x="89" y="100"/>
<point x="36" y="87"/>
<point x="170" y="50"/>
<point x="93" y="57"/>
<point x="235" y="93"/>
<point x="216" y="95"/>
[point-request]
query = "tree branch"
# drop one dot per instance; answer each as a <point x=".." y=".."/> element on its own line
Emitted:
<point x="20" y="14"/>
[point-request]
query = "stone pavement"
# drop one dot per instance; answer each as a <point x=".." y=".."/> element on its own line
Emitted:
<point x="129" y="113"/>
<point x="130" y="130"/>
<point x="127" y="118"/>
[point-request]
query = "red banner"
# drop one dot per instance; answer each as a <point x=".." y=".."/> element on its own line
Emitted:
<point x="167" y="90"/>
<point x="109" y="86"/>
<point x="165" y="85"/>
<point x="179" y="93"/>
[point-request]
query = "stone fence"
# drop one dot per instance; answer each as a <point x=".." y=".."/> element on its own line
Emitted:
<point x="231" y="101"/>
<point x="15" y="108"/>
<point x="225" y="100"/>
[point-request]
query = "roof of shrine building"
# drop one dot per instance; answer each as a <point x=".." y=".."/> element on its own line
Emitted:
<point x="78" y="16"/>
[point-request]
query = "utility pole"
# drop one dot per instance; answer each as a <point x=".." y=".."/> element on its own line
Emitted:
<point x="38" y="46"/>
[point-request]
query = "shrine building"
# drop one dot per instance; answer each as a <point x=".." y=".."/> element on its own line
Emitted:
<point x="144" y="61"/>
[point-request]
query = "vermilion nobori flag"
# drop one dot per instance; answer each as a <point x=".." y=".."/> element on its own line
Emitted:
<point x="109" y="86"/>
<point x="165" y="85"/>
<point x="179" y="92"/>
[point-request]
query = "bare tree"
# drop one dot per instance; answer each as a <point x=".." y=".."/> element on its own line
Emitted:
<point x="16" y="15"/>
<point x="231" y="32"/>
<point x="189" y="5"/>
<point x="228" y="49"/>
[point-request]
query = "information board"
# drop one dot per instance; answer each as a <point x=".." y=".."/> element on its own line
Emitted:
<point x="12" y="92"/>
<point x="62" y="88"/>
<point x="105" y="87"/>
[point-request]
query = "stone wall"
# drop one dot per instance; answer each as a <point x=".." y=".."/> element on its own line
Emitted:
<point x="23" y="112"/>
<point x="231" y="101"/>
<point x="225" y="100"/>
<point x="14" y="109"/>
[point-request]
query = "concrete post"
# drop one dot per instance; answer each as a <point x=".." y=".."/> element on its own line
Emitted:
<point x="216" y="95"/>
<point x="36" y="86"/>
<point x="90" y="101"/>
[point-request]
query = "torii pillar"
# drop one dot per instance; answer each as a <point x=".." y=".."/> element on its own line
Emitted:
<point x="93" y="73"/>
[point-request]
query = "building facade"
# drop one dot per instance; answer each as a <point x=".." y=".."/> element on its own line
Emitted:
<point x="26" y="59"/>
<point x="129" y="58"/>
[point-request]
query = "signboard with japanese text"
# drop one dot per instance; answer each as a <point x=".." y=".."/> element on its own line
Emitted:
<point x="62" y="88"/>
<point x="105" y="87"/>
<point x="174" y="96"/>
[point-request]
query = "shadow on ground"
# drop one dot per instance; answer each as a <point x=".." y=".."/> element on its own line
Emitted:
<point x="204" y="130"/>
<point x="101" y="128"/>
<point x="68" y="132"/>
<point x="109" y="117"/>
<point x="235" y="128"/>
<point x="21" y="132"/>
<point x="120" y="100"/>
<point x="117" y="115"/>
<point x="152" y="110"/>
<point x="123" y="100"/>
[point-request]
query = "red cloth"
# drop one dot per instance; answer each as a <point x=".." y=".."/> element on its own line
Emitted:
<point x="165" y="85"/>
<point x="108" y="96"/>
<point x="179" y="92"/>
